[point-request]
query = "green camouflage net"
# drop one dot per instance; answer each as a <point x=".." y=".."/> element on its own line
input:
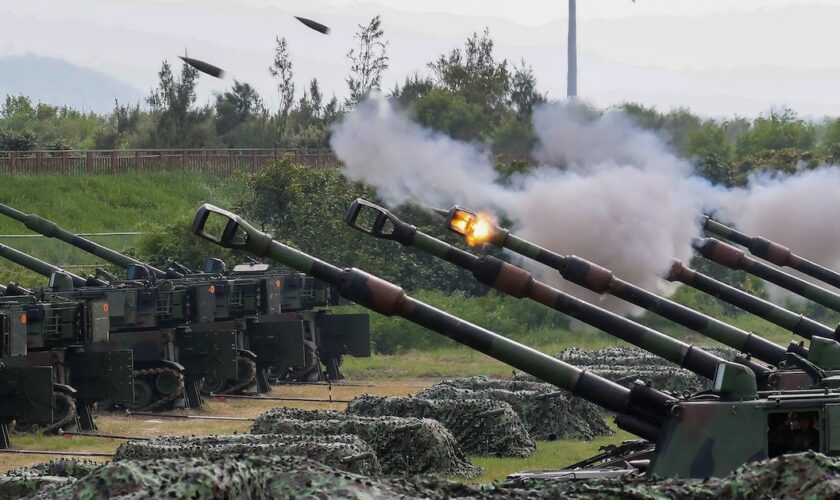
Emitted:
<point x="805" y="475"/>
<point x="547" y="415"/>
<point x="480" y="383"/>
<point x="245" y="476"/>
<point x="482" y="427"/>
<point x="343" y="452"/>
<point x="624" y="365"/>
<point x="403" y="445"/>
<point x="27" y="480"/>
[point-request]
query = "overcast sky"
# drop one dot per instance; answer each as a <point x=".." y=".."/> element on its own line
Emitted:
<point x="717" y="57"/>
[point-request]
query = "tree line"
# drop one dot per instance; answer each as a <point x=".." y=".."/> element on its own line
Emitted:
<point x="469" y="94"/>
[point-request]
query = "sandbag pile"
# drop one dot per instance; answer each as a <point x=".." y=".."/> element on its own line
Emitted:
<point x="548" y="415"/>
<point x="481" y="426"/>
<point x="404" y="446"/>
<point x="343" y="452"/>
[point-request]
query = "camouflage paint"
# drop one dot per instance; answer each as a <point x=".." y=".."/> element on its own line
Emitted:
<point x="773" y="252"/>
<point x="789" y="320"/>
<point x="733" y="258"/>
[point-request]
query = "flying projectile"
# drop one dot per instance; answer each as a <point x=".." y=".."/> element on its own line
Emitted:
<point x="204" y="67"/>
<point x="314" y="25"/>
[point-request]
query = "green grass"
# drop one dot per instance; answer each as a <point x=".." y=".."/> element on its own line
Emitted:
<point x="95" y="204"/>
<point x="88" y="203"/>
<point x="549" y="455"/>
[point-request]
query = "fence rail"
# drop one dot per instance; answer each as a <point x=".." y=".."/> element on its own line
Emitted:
<point x="214" y="161"/>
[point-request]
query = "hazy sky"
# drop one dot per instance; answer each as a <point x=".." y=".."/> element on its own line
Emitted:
<point x="717" y="57"/>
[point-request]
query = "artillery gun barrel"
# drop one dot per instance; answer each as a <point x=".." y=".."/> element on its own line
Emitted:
<point x="602" y="281"/>
<point x="52" y="230"/>
<point x="644" y="406"/>
<point x="773" y="252"/>
<point x="520" y="283"/>
<point x="734" y="258"/>
<point x="789" y="320"/>
<point x="37" y="265"/>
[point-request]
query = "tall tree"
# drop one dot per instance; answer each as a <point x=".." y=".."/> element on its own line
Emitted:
<point x="475" y="74"/>
<point x="172" y="101"/>
<point x="315" y="98"/>
<point x="235" y="106"/>
<point x="281" y="70"/>
<point x="368" y="61"/>
<point x="523" y="92"/>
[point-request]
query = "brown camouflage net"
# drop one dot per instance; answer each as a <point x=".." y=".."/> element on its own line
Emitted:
<point x="548" y="415"/>
<point x="403" y="445"/>
<point x="342" y="452"/>
<point x="805" y="475"/>
<point x="482" y="427"/>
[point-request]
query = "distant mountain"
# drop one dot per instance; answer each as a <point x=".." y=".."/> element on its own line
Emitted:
<point x="59" y="82"/>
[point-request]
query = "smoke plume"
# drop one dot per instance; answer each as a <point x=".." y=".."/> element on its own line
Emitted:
<point x="606" y="190"/>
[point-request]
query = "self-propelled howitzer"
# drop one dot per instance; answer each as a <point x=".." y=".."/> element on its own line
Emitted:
<point x="794" y="322"/>
<point x="481" y="229"/>
<point x="272" y="334"/>
<point x="773" y="252"/>
<point x="734" y="258"/>
<point x="378" y="222"/>
<point x="171" y="355"/>
<point x="704" y="436"/>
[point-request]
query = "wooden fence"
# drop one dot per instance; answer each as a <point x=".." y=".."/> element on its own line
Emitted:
<point x="213" y="161"/>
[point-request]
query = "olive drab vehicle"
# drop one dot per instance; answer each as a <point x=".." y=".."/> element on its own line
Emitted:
<point x="26" y="395"/>
<point x="706" y="435"/>
<point x="72" y="339"/>
<point x="153" y="321"/>
<point x="823" y="355"/>
<point x="278" y="332"/>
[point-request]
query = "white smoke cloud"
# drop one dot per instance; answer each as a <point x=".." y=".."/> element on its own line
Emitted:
<point x="607" y="191"/>
<point x="799" y="211"/>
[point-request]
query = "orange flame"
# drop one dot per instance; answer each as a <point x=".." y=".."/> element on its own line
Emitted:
<point x="476" y="228"/>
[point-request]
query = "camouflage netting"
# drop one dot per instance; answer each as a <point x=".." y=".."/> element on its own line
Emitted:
<point x="27" y="480"/>
<point x="482" y="427"/>
<point x="480" y="383"/>
<point x="625" y="365"/>
<point x="403" y="445"/>
<point x="804" y="475"/>
<point x="246" y="476"/>
<point x="343" y="452"/>
<point x="547" y="415"/>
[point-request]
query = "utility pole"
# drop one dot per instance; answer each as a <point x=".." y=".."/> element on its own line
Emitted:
<point x="571" y="82"/>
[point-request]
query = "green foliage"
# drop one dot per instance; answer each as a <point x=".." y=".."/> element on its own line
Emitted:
<point x="779" y="130"/>
<point x="522" y="320"/>
<point x="163" y="244"/>
<point x="305" y="208"/>
<point x="451" y="114"/>
<point x="17" y="141"/>
<point x="514" y="134"/>
<point x="712" y="152"/>
<point x="675" y="126"/>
